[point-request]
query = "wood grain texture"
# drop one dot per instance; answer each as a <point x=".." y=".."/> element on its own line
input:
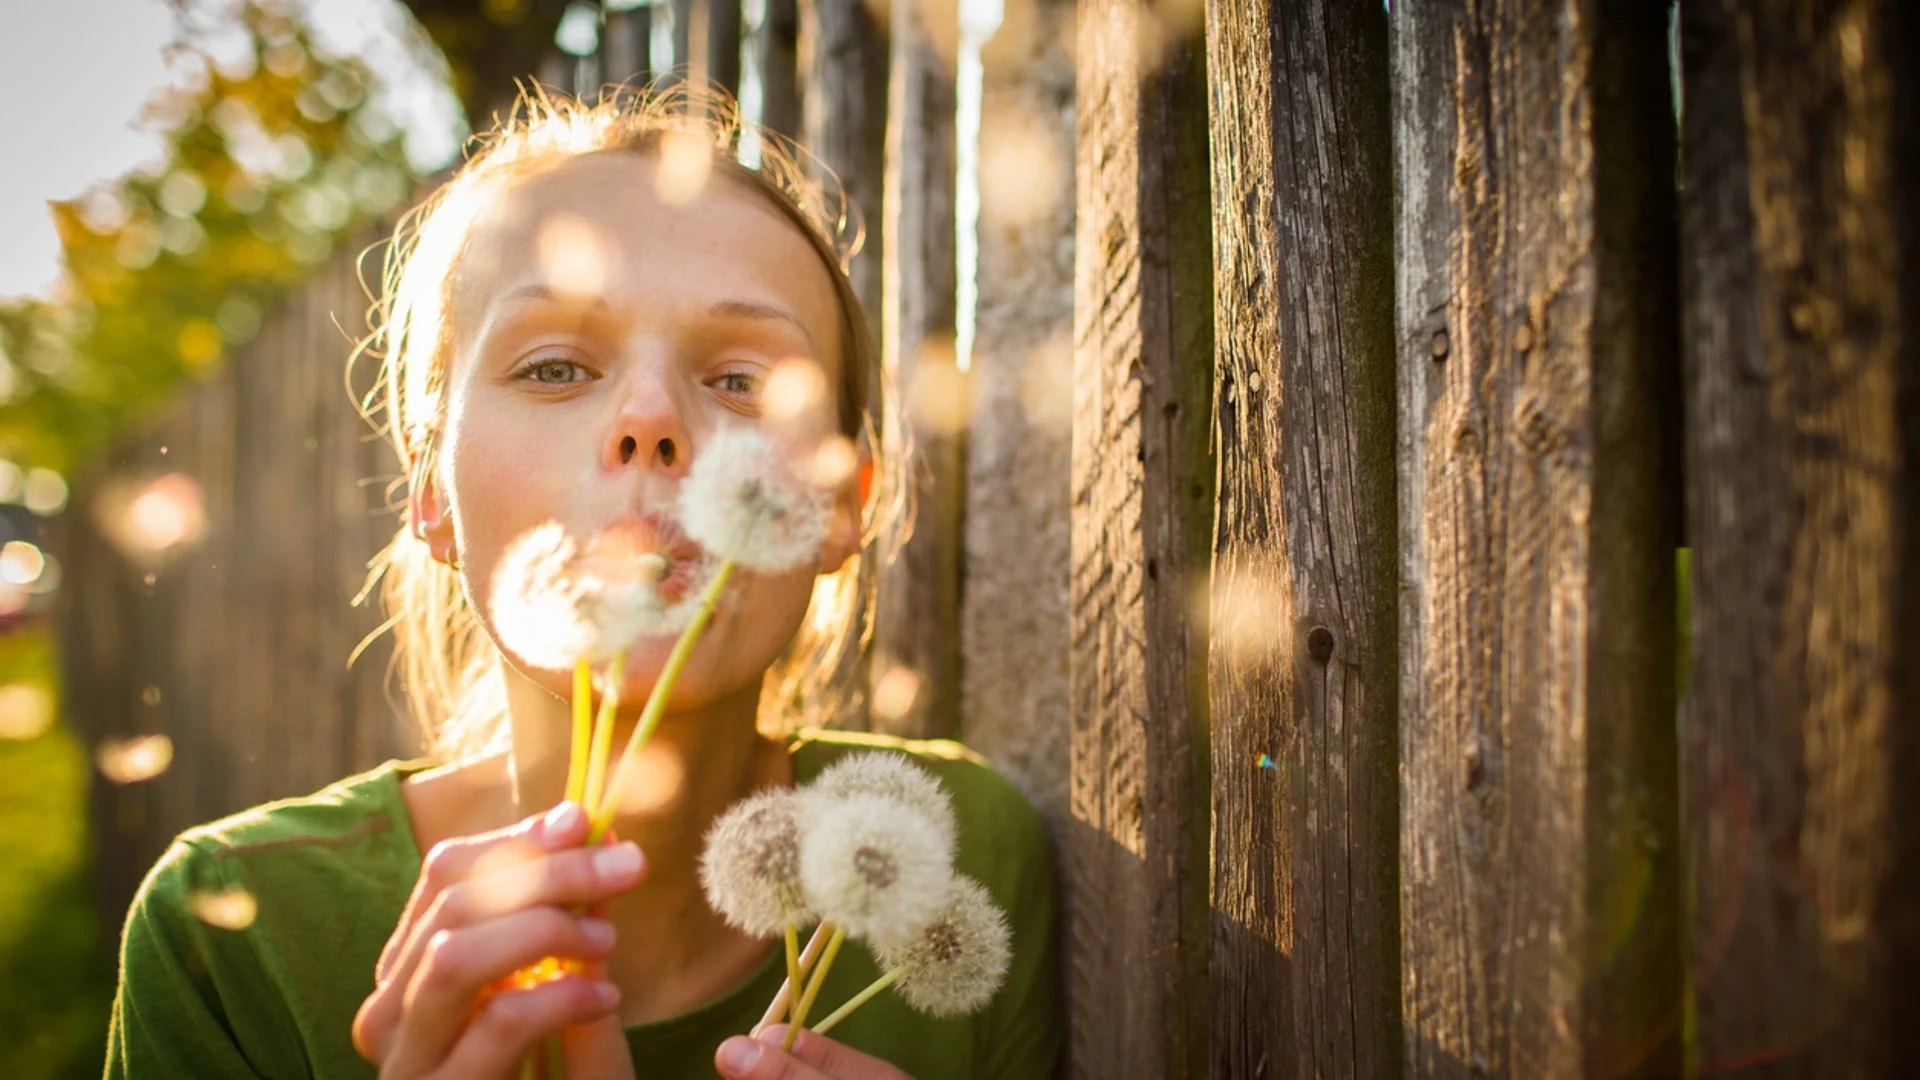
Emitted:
<point x="235" y="647"/>
<point x="1305" y="679"/>
<point x="1140" y="537"/>
<point x="776" y="50"/>
<point x="723" y="43"/>
<point x="1538" y="390"/>
<point x="1801" y="758"/>
<point x="1014" y="625"/>
<point x="626" y="46"/>
<point x="917" y="607"/>
<point x="844" y="59"/>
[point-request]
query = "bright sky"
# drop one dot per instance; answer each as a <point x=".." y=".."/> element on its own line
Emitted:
<point x="76" y="73"/>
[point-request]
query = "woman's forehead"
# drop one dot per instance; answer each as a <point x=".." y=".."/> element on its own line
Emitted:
<point x="601" y="227"/>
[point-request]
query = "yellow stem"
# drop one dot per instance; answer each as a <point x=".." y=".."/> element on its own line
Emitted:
<point x="602" y="809"/>
<point x="603" y="730"/>
<point x="859" y="999"/>
<point x="777" y="1008"/>
<point x="582" y="732"/>
<point x="814" y="983"/>
<point x="793" y="955"/>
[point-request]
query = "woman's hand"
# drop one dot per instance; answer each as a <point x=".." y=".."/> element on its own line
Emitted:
<point x="813" y="1057"/>
<point x="484" y="907"/>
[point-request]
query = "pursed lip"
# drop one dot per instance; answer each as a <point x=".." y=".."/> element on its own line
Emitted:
<point x="653" y="532"/>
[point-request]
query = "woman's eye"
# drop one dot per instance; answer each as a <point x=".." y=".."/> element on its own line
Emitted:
<point x="737" y="382"/>
<point x="555" y="372"/>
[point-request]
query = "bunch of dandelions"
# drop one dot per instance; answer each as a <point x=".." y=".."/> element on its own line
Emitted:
<point x="867" y="850"/>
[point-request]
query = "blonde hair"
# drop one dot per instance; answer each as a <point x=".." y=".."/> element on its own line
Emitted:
<point x="448" y="666"/>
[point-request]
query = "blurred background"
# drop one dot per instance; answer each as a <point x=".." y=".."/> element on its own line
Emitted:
<point x="188" y="498"/>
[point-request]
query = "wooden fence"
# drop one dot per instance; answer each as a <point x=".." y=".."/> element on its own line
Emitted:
<point x="1346" y="383"/>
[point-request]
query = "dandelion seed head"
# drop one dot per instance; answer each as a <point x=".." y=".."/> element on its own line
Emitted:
<point x="743" y="501"/>
<point x="554" y="604"/>
<point x="874" y="865"/>
<point x="751" y="867"/>
<point x="958" y="960"/>
<point x="891" y="774"/>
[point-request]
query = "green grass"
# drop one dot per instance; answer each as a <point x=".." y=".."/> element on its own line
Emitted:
<point x="55" y="976"/>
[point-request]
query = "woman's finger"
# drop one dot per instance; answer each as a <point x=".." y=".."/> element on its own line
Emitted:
<point x="453" y="861"/>
<point x="505" y="1030"/>
<point x="447" y="865"/>
<point x="813" y="1057"/>
<point x="459" y="964"/>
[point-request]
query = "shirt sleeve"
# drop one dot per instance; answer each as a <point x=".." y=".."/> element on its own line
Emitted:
<point x="1024" y="1028"/>
<point x="178" y="973"/>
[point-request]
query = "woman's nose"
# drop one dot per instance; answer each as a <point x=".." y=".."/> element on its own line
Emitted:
<point x="649" y="429"/>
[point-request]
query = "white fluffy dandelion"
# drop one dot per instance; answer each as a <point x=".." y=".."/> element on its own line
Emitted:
<point x="744" y="502"/>
<point x="554" y="606"/>
<point x="891" y="774"/>
<point x="751" y="867"/>
<point x="954" y="965"/>
<point x="874" y="866"/>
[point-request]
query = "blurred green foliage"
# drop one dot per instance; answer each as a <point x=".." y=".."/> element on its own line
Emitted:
<point x="271" y="159"/>
<point x="56" y="979"/>
<point x="274" y="154"/>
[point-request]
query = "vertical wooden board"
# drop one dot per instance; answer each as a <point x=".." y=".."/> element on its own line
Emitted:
<point x="1803" y="359"/>
<point x="1014" y="625"/>
<point x="845" y="57"/>
<point x="626" y="46"/>
<point x="1305" y="680"/>
<point x="1539" y="888"/>
<point x="917" y="607"/>
<point x="1141" y="521"/>
<point x="776" y="50"/>
<point x="723" y="44"/>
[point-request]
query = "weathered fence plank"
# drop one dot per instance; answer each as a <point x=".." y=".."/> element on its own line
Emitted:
<point x="1014" y="626"/>
<point x="1141" y="523"/>
<point x="1802" y="760"/>
<point x="776" y="51"/>
<point x="1304" y="676"/>
<point x="844" y="60"/>
<point x="1538" y="384"/>
<point x="626" y="46"/>
<point x="917" y="615"/>
<point x="235" y="647"/>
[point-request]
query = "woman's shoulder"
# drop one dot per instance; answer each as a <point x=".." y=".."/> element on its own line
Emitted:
<point x="352" y="832"/>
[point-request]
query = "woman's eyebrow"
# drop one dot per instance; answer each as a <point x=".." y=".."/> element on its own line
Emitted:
<point x="754" y="309"/>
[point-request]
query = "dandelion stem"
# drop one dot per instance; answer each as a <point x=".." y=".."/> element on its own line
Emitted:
<point x="603" y="808"/>
<point x="793" y="955"/>
<point x="859" y="999"/>
<point x="814" y="983"/>
<point x="556" y="1058"/>
<point x="582" y="732"/>
<point x="603" y="732"/>
<point x="777" y="1008"/>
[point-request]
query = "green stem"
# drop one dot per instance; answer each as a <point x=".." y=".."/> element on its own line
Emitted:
<point x="859" y="999"/>
<point x="556" y="1058"/>
<point x="814" y="983"/>
<point x="582" y="732"/>
<point x="603" y="729"/>
<point x="793" y="955"/>
<point x="602" y="810"/>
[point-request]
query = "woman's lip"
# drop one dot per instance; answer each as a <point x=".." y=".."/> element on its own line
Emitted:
<point x="651" y="532"/>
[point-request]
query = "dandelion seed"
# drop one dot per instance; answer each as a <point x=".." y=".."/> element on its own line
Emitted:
<point x="874" y="865"/>
<point x="954" y="965"/>
<point x="554" y="606"/>
<point x="892" y="775"/>
<point x="751" y="867"/>
<point x="743" y="502"/>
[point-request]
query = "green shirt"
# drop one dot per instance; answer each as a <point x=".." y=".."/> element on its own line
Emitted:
<point x="330" y="873"/>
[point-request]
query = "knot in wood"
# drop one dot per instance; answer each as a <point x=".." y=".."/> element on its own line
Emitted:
<point x="1523" y="338"/>
<point x="1320" y="644"/>
<point x="1439" y="346"/>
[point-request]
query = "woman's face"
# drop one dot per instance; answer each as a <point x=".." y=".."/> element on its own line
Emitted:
<point x="601" y="335"/>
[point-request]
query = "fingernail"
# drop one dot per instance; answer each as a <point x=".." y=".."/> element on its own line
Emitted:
<point x="737" y="1055"/>
<point x="562" y="818"/>
<point x="598" y="932"/>
<point x="616" y="862"/>
<point x="607" y="994"/>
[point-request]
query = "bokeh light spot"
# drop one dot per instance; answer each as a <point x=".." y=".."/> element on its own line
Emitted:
<point x="21" y="563"/>
<point x="795" y="385"/>
<point x="573" y="256"/>
<point x="129" y="761"/>
<point x="26" y="711"/>
<point x="155" y="518"/>
<point x="895" y="692"/>
<point x="681" y="171"/>
<point x="228" y="909"/>
<point x="44" y="492"/>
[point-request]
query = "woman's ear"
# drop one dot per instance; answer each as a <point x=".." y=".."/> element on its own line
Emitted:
<point x="844" y="527"/>
<point x="427" y="516"/>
